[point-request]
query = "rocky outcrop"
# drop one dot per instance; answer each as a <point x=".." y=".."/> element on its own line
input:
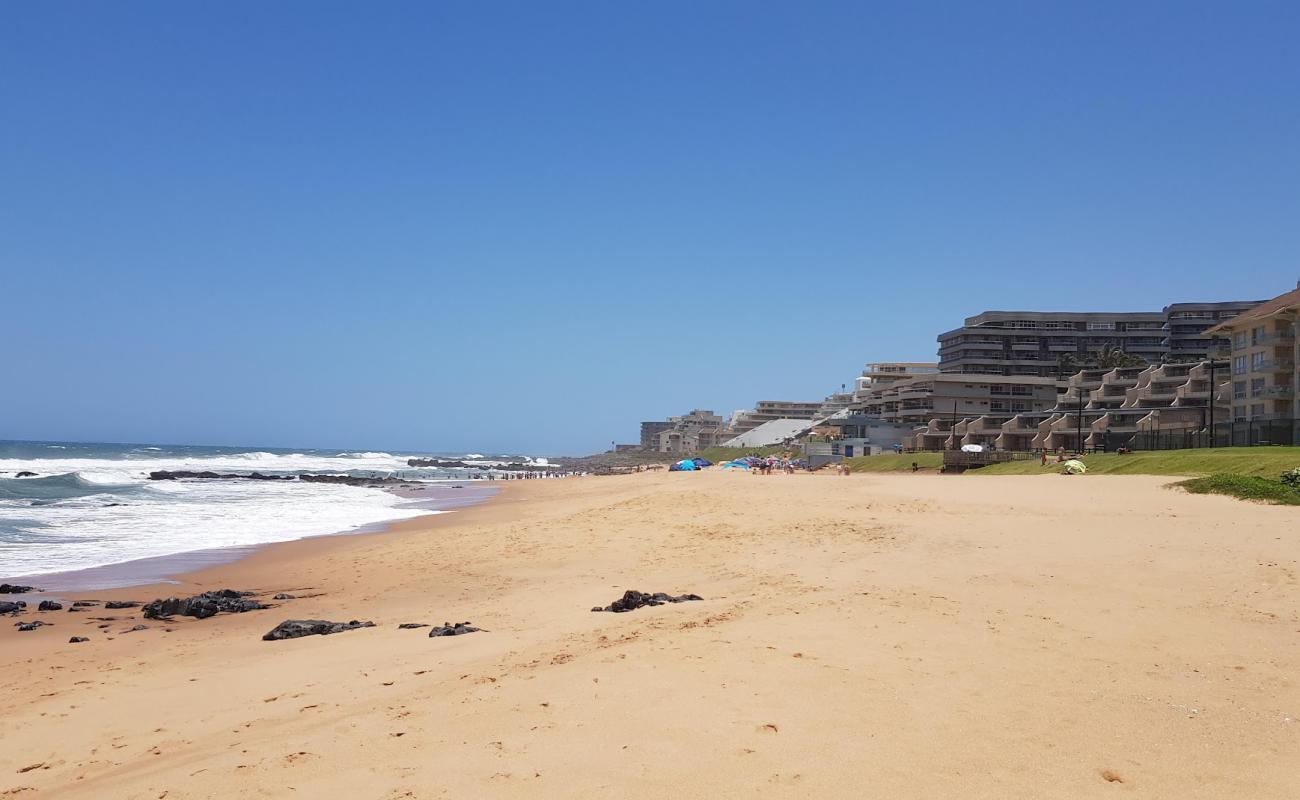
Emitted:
<point x="447" y="629"/>
<point x="49" y="605"/>
<point x="203" y="605"/>
<point x="168" y="475"/>
<point x="409" y="625"/>
<point x="513" y="466"/>
<point x="31" y="626"/>
<point x="295" y="628"/>
<point x="25" y="474"/>
<point x="632" y="600"/>
<point x="283" y="596"/>
<point x="78" y="640"/>
<point x="7" y="607"/>
<point x="122" y="604"/>
<point x="13" y="588"/>
<point x="346" y="480"/>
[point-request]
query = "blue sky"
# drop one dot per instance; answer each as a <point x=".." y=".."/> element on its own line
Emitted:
<point x="510" y="226"/>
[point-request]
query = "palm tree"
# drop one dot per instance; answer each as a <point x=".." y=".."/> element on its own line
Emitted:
<point x="1112" y="356"/>
<point x="1065" y="365"/>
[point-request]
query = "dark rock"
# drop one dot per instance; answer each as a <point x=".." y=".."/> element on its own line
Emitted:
<point x="49" y="605"/>
<point x="122" y="604"/>
<point x="7" y="607"/>
<point x="78" y="640"/>
<point x="85" y="603"/>
<point x="30" y="626"/>
<point x="113" y="505"/>
<point x="283" y="596"/>
<point x="203" y="605"/>
<point x="414" y="625"/>
<point x="25" y="474"/>
<point x="632" y="600"/>
<point x="447" y="629"/>
<point x="294" y="628"/>
<point x="13" y="588"/>
<point x="137" y="628"/>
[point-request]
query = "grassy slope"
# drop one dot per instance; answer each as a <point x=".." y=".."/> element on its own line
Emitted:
<point x="1244" y="487"/>
<point x="720" y="454"/>
<point x="888" y="462"/>
<point x="1268" y="462"/>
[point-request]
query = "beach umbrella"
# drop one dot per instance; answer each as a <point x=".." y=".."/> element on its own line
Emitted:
<point x="686" y="465"/>
<point x="702" y="462"/>
<point x="1073" y="467"/>
<point x="735" y="465"/>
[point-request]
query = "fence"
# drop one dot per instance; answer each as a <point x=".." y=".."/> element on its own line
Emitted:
<point x="1252" y="433"/>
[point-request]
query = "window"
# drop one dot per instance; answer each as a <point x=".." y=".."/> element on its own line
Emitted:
<point x="1238" y="413"/>
<point x="1239" y="365"/>
<point x="1256" y="361"/>
<point x="1257" y="410"/>
<point x="1255" y="335"/>
<point x="1101" y="326"/>
<point x="1239" y="340"/>
<point x="1256" y="387"/>
<point x="1238" y="390"/>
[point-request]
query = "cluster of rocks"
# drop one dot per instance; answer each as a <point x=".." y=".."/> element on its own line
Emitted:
<point x="13" y="588"/>
<point x="346" y="480"/>
<point x="49" y="605"/>
<point x="202" y="605"/>
<point x="295" y="628"/>
<point x="8" y="607"/>
<point x="632" y="600"/>
<point x="448" y="629"/>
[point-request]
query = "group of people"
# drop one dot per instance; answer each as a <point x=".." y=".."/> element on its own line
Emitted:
<point x="767" y="465"/>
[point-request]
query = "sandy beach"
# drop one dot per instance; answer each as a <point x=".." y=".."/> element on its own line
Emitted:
<point x="893" y="636"/>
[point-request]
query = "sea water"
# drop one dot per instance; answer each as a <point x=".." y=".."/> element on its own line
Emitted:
<point x="93" y="504"/>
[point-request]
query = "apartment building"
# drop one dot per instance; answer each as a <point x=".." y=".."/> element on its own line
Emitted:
<point x="1057" y="344"/>
<point x="1186" y="326"/>
<point x="933" y="404"/>
<point x="1264" y="353"/>
<point x="768" y="410"/>
<point x="1036" y="343"/>
<point x="684" y="434"/>
<point x="882" y="373"/>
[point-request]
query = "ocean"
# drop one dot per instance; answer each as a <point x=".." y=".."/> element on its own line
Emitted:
<point x="91" y="505"/>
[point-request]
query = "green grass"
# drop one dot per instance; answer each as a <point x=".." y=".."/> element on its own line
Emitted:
<point x="720" y="454"/>
<point x="1268" y="462"/>
<point x="1244" y="487"/>
<point x="888" y="462"/>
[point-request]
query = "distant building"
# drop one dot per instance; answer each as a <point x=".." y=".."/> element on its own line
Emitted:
<point x="854" y="435"/>
<point x="882" y="373"/>
<point x="1186" y="325"/>
<point x="769" y="410"/>
<point x="687" y="433"/>
<point x="650" y="433"/>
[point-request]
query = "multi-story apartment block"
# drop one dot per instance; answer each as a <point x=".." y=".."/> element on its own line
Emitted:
<point x="1046" y="344"/>
<point x="768" y="410"/>
<point x="1264" y="353"/>
<point x="684" y="434"/>
<point x="882" y="373"/>
<point x="1185" y="337"/>
<point x="1058" y="344"/>
<point x="934" y="403"/>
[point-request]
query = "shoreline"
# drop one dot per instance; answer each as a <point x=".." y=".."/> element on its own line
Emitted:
<point x="174" y="569"/>
<point x="919" y="634"/>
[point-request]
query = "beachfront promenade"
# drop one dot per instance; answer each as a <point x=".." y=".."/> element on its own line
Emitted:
<point x="900" y="636"/>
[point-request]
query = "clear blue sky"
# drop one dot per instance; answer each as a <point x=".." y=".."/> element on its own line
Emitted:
<point x="529" y="226"/>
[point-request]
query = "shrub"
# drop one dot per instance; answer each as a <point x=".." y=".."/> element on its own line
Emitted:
<point x="1292" y="478"/>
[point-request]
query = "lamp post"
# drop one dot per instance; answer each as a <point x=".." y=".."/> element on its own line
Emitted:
<point x="1079" y="423"/>
<point x="1212" y="387"/>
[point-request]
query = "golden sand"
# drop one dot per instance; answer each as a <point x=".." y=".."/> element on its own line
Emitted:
<point x="909" y="636"/>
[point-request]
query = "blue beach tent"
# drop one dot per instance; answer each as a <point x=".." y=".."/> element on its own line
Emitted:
<point x="702" y="462"/>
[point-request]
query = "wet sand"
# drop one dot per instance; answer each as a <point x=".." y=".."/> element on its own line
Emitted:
<point x="913" y="636"/>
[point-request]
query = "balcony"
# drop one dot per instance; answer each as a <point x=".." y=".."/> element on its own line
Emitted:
<point x="1273" y="337"/>
<point x="1275" y="391"/>
<point x="1274" y="365"/>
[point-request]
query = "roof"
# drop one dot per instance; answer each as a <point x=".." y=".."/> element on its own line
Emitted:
<point x="1265" y="309"/>
<point x="774" y="432"/>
